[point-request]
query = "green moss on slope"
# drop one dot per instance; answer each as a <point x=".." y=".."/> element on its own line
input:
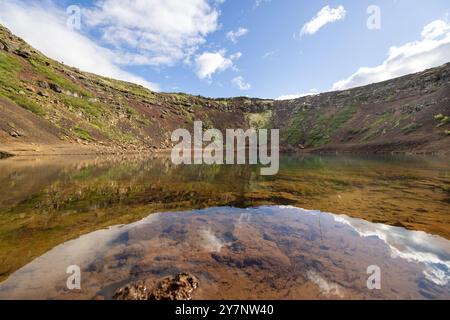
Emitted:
<point x="259" y="120"/>
<point x="91" y="110"/>
<point x="10" y="87"/>
<point x="44" y="67"/>
<point x="82" y="133"/>
<point x="312" y="129"/>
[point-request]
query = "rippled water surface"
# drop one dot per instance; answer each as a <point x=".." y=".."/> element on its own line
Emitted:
<point x="251" y="241"/>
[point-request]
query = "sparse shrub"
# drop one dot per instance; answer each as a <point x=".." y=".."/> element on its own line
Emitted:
<point x="382" y="118"/>
<point x="357" y="131"/>
<point x="82" y="133"/>
<point x="443" y="120"/>
<point x="410" y="128"/>
<point x="92" y="110"/>
<point x="259" y="120"/>
<point x="26" y="103"/>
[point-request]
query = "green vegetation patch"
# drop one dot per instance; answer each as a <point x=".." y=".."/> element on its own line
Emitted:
<point x="129" y="88"/>
<point x="92" y="110"/>
<point x="8" y="65"/>
<point x="9" y="70"/>
<point x="357" y="131"/>
<point x="44" y="67"/>
<point x="10" y="87"/>
<point x="261" y="120"/>
<point x="26" y="103"/>
<point x="313" y="129"/>
<point x="82" y="133"/>
<point x="371" y="135"/>
<point x="443" y="120"/>
<point x="382" y="118"/>
<point x="411" y="128"/>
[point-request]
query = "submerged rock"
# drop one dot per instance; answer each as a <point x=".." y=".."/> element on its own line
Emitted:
<point x="4" y="155"/>
<point x="180" y="287"/>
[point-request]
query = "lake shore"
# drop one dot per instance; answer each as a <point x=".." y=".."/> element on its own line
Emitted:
<point x="68" y="149"/>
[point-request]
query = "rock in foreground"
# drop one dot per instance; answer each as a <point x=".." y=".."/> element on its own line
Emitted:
<point x="180" y="287"/>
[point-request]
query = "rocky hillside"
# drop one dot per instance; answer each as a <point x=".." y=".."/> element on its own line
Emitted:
<point x="49" y="108"/>
<point x="407" y="114"/>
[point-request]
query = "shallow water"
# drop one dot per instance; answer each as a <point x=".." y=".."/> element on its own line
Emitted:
<point x="259" y="253"/>
<point x="52" y="200"/>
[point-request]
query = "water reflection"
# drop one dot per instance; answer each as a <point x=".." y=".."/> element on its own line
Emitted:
<point x="432" y="251"/>
<point x="46" y="201"/>
<point x="256" y="253"/>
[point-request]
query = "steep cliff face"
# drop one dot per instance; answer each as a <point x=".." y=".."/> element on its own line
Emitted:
<point x="48" y="107"/>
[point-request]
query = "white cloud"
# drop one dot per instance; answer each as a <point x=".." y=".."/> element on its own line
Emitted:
<point x="241" y="84"/>
<point x="45" y="29"/>
<point x="209" y="63"/>
<point x="268" y="54"/>
<point x="323" y="17"/>
<point x="236" y="56"/>
<point x="297" y="95"/>
<point x="435" y="29"/>
<point x="233" y="36"/>
<point x="431" y="51"/>
<point x="153" y="32"/>
<point x="326" y="288"/>
<point x="209" y="241"/>
<point x="412" y="246"/>
<point x="260" y="2"/>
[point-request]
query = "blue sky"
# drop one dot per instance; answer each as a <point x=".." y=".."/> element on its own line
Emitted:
<point x="227" y="48"/>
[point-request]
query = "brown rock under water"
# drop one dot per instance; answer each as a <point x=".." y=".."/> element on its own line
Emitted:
<point x="180" y="287"/>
